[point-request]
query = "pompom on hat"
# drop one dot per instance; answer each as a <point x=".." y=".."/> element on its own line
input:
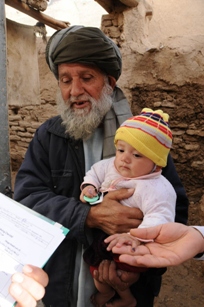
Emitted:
<point x="149" y="134"/>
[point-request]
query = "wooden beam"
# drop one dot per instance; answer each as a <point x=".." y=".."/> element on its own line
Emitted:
<point x="47" y="20"/>
<point x="107" y="5"/>
<point x="40" y="5"/>
<point x="130" y="3"/>
<point x="117" y="5"/>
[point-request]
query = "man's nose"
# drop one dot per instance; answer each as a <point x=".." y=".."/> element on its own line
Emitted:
<point x="76" y="88"/>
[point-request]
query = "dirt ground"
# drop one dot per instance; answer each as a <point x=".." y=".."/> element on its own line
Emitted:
<point x="187" y="288"/>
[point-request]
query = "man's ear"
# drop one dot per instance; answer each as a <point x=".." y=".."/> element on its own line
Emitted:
<point x="112" y="81"/>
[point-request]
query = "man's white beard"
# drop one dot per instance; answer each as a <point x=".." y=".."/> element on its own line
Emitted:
<point x="81" y="123"/>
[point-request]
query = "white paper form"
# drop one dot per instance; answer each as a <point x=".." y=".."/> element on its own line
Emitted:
<point x="26" y="237"/>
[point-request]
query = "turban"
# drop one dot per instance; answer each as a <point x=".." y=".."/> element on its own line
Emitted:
<point x="84" y="45"/>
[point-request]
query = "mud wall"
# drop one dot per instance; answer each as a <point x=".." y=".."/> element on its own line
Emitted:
<point x="158" y="72"/>
<point x="163" y="67"/>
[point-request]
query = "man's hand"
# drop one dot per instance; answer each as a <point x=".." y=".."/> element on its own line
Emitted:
<point x="28" y="287"/>
<point x="111" y="216"/>
<point x="116" y="279"/>
<point x="173" y="244"/>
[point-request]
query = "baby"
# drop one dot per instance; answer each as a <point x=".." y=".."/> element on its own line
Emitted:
<point x="142" y="146"/>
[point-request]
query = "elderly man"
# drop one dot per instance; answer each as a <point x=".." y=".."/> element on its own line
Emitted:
<point x="87" y="65"/>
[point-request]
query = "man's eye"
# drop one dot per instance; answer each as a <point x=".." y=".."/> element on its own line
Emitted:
<point x="87" y="79"/>
<point x="65" y="80"/>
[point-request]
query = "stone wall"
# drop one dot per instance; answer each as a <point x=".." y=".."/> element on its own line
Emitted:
<point x="23" y="88"/>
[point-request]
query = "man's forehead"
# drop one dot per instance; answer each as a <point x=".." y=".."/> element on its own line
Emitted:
<point x="78" y="68"/>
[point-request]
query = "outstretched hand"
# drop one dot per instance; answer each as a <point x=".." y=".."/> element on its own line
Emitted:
<point x="28" y="287"/>
<point x="173" y="244"/>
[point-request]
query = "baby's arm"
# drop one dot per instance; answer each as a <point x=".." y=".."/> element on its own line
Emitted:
<point x="122" y="241"/>
<point x="88" y="191"/>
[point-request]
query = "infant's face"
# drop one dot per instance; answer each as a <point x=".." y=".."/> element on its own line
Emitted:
<point x="130" y="163"/>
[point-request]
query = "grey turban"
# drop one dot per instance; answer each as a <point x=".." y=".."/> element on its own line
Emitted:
<point x="84" y="45"/>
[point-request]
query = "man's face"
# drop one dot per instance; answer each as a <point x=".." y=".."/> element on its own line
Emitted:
<point x="76" y="81"/>
<point x="84" y="98"/>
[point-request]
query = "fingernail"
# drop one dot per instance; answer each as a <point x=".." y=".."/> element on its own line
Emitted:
<point x="16" y="289"/>
<point x="95" y="273"/>
<point x="119" y="273"/>
<point x="27" y="269"/>
<point x="17" y="277"/>
<point x="90" y="190"/>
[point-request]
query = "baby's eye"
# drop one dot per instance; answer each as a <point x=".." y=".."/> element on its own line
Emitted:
<point x="120" y="150"/>
<point x="137" y="155"/>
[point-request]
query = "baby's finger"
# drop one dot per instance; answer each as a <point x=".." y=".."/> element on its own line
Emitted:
<point x="110" y="238"/>
<point x="124" y="249"/>
<point x="112" y="244"/>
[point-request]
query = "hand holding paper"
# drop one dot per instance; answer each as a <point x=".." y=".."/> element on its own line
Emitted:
<point x="25" y="237"/>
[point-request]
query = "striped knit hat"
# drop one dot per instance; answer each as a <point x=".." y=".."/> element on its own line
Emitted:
<point x="149" y="134"/>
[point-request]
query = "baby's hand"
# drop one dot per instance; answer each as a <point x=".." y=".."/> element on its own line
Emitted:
<point x="88" y="191"/>
<point x="122" y="241"/>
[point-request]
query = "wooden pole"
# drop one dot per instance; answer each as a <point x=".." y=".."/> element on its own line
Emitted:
<point x="47" y="20"/>
<point x="5" y="171"/>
